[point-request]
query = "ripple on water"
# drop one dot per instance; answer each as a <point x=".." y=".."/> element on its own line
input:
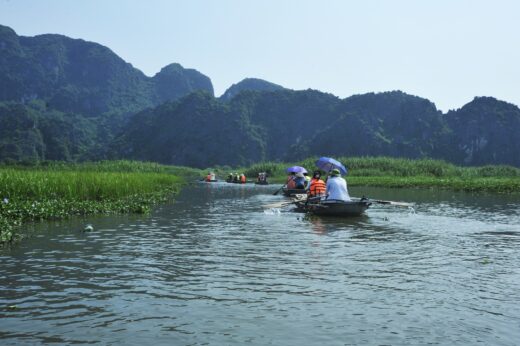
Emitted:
<point x="216" y="268"/>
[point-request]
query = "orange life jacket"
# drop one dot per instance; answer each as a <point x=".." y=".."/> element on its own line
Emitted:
<point x="243" y="179"/>
<point x="291" y="184"/>
<point x="208" y="177"/>
<point x="318" y="188"/>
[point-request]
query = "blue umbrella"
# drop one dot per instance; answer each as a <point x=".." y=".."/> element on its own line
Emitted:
<point x="296" y="169"/>
<point x="327" y="164"/>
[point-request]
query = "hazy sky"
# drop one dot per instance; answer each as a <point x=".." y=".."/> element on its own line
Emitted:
<point x="445" y="50"/>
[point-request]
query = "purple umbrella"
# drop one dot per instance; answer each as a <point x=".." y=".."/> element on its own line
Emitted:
<point x="296" y="169"/>
<point x="327" y="164"/>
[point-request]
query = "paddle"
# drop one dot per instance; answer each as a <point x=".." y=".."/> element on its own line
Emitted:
<point x="297" y="198"/>
<point x="397" y="204"/>
<point x="276" y="205"/>
<point x="278" y="191"/>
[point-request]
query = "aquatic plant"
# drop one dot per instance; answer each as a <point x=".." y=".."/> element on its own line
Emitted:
<point x="392" y="172"/>
<point x="63" y="190"/>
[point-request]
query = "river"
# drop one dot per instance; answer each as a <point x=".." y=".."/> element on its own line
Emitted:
<point x="215" y="268"/>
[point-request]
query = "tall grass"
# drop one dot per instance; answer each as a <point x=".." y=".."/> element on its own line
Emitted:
<point x="80" y="185"/>
<point x="395" y="167"/>
<point x="109" y="166"/>
<point x="59" y="190"/>
<point x="395" y="172"/>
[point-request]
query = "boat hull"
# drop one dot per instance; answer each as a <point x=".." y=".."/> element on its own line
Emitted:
<point x="334" y="208"/>
<point x="293" y="192"/>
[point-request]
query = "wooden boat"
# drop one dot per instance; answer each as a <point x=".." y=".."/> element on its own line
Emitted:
<point x="261" y="182"/>
<point x="334" y="207"/>
<point x="292" y="192"/>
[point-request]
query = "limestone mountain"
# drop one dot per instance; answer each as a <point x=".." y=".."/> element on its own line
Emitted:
<point x="252" y="84"/>
<point x="68" y="99"/>
<point x="73" y="75"/>
<point x="290" y="125"/>
<point x="485" y="131"/>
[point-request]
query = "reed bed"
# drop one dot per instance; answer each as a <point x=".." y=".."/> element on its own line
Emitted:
<point x="61" y="190"/>
<point x="395" y="172"/>
<point x="23" y="184"/>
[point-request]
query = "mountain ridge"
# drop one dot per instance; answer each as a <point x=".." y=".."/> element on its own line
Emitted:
<point x="70" y="99"/>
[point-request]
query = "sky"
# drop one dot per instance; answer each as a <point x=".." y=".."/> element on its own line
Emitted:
<point x="447" y="51"/>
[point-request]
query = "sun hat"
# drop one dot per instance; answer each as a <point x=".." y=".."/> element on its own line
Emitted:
<point x="335" y="171"/>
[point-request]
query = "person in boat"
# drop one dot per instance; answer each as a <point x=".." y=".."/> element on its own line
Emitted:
<point x="307" y="180"/>
<point x="210" y="176"/>
<point x="243" y="178"/>
<point x="236" y="178"/>
<point x="230" y="178"/>
<point x="337" y="187"/>
<point x="299" y="181"/>
<point x="262" y="178"/>
<point x="290" y="183"/>
<point x="317" y="187"/>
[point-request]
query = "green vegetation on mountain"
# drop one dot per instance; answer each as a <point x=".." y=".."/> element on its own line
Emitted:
<point x="72" y="100"/>
<point x="252" y="84"/>
<point x="77" y="76"/>
<point x="64" y="99"/>
<point x="288" y="125"/>
<point x="486" y="131"/>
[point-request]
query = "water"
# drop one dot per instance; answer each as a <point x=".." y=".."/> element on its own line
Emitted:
<point x="216" y="269"/>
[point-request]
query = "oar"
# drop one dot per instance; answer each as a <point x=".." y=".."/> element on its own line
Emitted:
<point x="278" y="191"/>
<point x="276" y="205"/>
<point x="380" y="201"/>
<point x="397" y="204"/>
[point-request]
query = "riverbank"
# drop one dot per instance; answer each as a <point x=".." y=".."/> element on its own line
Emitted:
<point x="61" y="190"/>
<point x="399" y="173"/>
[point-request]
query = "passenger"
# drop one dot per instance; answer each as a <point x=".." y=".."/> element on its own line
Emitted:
<point x="208" y="177"/>
<point x="243" y="178"/>
<point x="237" y="178"/>
<point x="337" y="187"/>
<point x="299" y="181"/>
<point x="317" y="187"/>
<point x="291" y="184"/>
<point x="230" y="178"/>
<point x="307" y="179"/>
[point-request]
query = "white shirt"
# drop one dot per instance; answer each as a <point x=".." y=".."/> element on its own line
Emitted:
<point x="337" y="189"/>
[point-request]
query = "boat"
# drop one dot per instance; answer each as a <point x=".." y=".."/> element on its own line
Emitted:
<point x="334" y="207"/>
<point x="293" y="192"/>
<point x="211" y="181"/>
<point x="261" y="182"/>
